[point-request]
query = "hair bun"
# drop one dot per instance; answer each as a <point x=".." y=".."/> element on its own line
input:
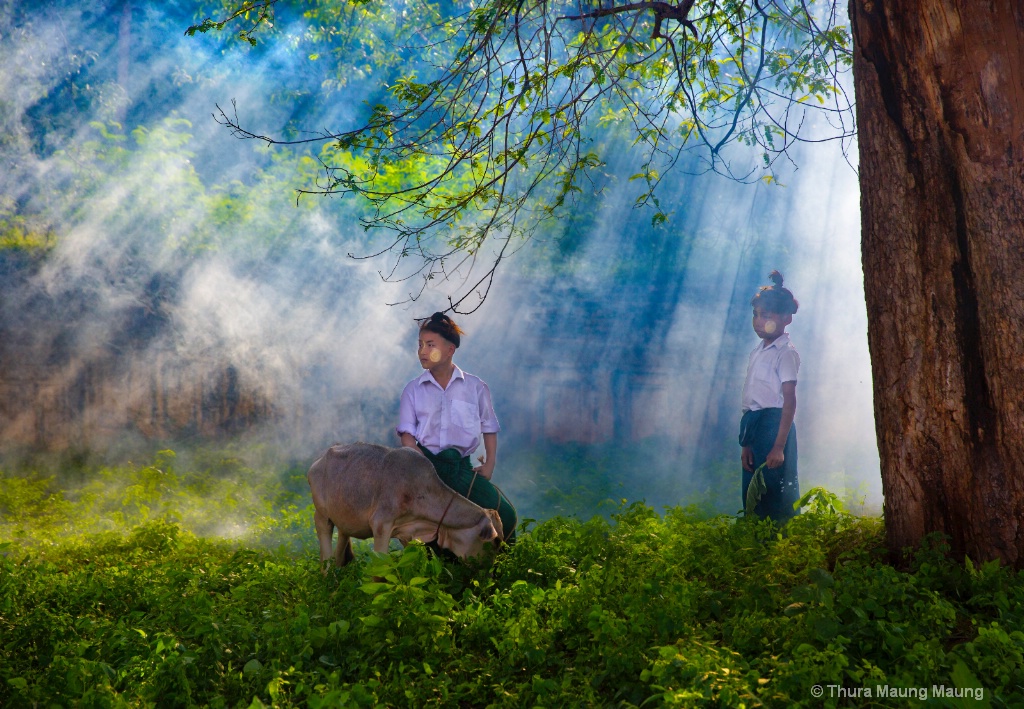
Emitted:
<point x="443" y="326"/>
<point x="775" y="298"/>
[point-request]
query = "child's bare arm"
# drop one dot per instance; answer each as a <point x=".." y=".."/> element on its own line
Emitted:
<point x="776" y="457"/>
<point x="489" y="458"/>
<point x="408" y="440"/>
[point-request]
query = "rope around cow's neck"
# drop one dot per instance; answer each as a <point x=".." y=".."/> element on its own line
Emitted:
<point x="437" y="532"/>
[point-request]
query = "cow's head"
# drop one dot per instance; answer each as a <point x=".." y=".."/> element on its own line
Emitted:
<point x="483" y="538"/>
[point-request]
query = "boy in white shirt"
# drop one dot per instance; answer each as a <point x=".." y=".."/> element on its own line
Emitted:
<point x="446" y="412"/>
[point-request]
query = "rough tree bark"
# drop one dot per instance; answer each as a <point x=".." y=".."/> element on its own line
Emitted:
<point x="940" y="108"/>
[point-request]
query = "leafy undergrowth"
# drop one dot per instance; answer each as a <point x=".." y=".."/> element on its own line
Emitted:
<point x="643" y="609"/>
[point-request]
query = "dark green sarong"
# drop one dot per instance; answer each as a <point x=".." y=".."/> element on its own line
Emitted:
<point x="759" y="429"/>
<point x="457" y="473"/>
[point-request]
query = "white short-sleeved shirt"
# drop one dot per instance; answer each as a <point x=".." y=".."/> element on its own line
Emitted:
<point x="455" y="417"/>
<point x="767" y="368"/>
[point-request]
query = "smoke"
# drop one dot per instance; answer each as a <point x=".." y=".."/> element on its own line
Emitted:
<point x="189" y="298"/>
<point x="639" y="336"/>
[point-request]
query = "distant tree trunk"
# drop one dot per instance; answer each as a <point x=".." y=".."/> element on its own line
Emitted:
<point x="940" y="108"/>
<point x="124" y="56"/>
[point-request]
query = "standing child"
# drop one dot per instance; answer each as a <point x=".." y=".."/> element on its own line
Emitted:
<point x="767" y="433"/>
<point x="446" y="412"/>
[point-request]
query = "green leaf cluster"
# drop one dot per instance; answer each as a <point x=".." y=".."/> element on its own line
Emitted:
<point x="23" y="233"/>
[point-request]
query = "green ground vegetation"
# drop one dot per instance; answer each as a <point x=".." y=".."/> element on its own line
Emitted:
<point x="198" y="585"/>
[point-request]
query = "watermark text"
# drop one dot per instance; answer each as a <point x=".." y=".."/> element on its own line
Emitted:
<point x="886" y="691"/>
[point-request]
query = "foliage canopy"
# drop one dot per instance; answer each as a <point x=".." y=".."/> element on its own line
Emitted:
<point x="491" y="122"/>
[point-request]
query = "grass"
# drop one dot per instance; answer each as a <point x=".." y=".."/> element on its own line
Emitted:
<point x="149" y="586"/>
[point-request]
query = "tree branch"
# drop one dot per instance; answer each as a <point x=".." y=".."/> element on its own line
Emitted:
<point x="662" y="11"/>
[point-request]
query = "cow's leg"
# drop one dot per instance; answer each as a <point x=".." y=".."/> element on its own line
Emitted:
<point x="324" y="532"/>
<point x="343" y="552"/>
<point x="381" y="536"/>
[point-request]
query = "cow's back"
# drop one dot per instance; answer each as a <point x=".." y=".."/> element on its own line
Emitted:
<point x="345" y="482"/>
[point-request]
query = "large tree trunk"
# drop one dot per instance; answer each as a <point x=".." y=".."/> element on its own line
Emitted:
<point x="940" y="108"/>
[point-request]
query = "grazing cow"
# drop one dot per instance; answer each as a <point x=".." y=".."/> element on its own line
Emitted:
<point x="366" y="490"/>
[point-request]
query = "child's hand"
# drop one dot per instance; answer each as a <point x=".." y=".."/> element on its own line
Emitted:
<point x="747" y="458"/>
<point x="485" y="469"/>
<point x="775" y="457"/>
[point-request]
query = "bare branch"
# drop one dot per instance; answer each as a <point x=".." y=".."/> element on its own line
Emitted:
<point x="662" y="11"/>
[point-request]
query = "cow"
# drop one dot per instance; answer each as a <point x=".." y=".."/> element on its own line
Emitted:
<point x="367" y="490"/>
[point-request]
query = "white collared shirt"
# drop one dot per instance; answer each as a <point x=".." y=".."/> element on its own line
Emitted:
<point x="767" y="368"/>
<point x="455" y="417"/>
